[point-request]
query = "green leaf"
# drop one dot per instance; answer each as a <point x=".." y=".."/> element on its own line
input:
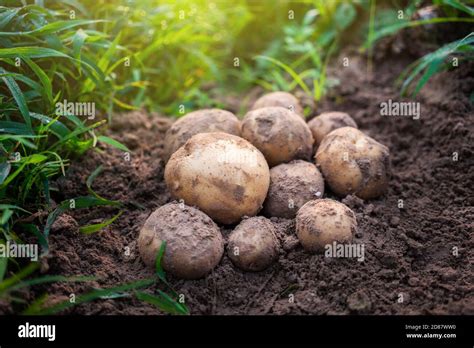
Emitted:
<point x="392" y="29"/>
<point x="89" y="182"/>
<point x="97" y="294"/>
<point x="289" y="70"/>
<point x="54" y="27"/>
<point x="49" y="279"/>
<point x="15" y="128"/>
<point x="158" y="266"/>
<point x="163" y="302"/>
<point x="19" y="98"/>
<point x="89" y="229"/>
<point x="4" y="171"/>
<point x="432" y="63"/>
<point x="33" y="159"/>
<point x="344" y="16"/>
<point x="7" y="16"/>
<point x="433" y="68"/>
<point x="31" y="52"/>
<point x="42" y="241"/>
<point x="79" y="202"/>
<point x="57" y="128"/>
<point x="14" y="279"/>
<point x="112" y="142"/>
<point x="7" y="214"/>
<point x="44" y="79"/>
<point x="3" y="267"/>
<point x="460" y="6"/>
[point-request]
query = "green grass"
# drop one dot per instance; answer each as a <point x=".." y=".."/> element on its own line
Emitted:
<point x="417" y="75"/>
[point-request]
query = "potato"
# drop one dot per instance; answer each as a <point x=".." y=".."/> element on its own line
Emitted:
<point x="324" y="221"/>
<point x="224" y="175"/>
<point x="279" y="133"/>
<point x="327" y="122"/>
<point x="253" y="245"/>
<point x="194" y="244"/>
<point x="283" y="99"/>
<point x="200" y="121"/>
<point x="291" y="186"/>
<point x="354" y="163"/>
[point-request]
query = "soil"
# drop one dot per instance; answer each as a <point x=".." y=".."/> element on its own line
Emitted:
<point x="418" y="237"/>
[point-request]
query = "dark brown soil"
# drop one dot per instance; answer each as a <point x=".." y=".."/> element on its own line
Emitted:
<point x="418" y="238"/>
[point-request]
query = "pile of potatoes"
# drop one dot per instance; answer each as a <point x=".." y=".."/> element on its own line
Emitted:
<point x="225" y="171"/>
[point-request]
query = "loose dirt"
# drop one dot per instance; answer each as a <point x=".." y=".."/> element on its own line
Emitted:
<point x="418" y="237"/>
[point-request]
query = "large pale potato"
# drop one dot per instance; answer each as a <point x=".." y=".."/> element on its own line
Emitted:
<point x="194" y="244"/>
<point x="253" y="245"/>
<point x="354" y="163"/>
<point x="327" y="122"/>
<point x="291" y="186"/>
<point x="224" y="175"/>
<point x="324" y="221"/>
<point x="200" y="121"/>
<point x="279" y="133"/>
<point x="283" y="99"/>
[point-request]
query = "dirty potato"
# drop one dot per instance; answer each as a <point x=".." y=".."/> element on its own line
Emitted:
<point x="324" y="221"/>
<point x="283" y="99"/>
<point x="354" y="163"/>
<point x="327" y="122"/>
<point x="280" y="134"/>
<point x="291" y="186"/>
<point x="200" y="121"/>
<point x="253" y="245"/>
<point x="224" y="175"/>
<point x="194" y="244"/>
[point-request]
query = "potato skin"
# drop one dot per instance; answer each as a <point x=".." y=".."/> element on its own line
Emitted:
<point x="257" y="244"/>
<point x="194" y="244"/>
<point x="327" y="122"/>
<point x="200" y="121"/>
<point x="323" y="221"/>
<point x="224" y="175"/>
<point x="354" y="163"/>
<point x="296" y="182"/>
<point x="283" y="99"/>
<point x="280" y="134"/>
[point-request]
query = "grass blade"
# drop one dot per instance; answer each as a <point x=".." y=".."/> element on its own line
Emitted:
<point x="97" y="294"/>
<point x="89" y="229"/>
<point x="289" y="70"/>
<point x="112" y="142"/>
<point x="19" y="98"/>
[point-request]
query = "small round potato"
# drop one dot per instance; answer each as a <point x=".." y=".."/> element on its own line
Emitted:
<point x="327" y="122"/>
<point x="224" y="175"/>
<point x="323" y="222"/>
<point x="283" y="99"/>
<point x="194" y="244"/>
<point x="200" y="121"/>
<point x="253" y="245"/>
<point x="291" y="186"/>
<point x="279" y="133"/>
<point x="354" y="163"/>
